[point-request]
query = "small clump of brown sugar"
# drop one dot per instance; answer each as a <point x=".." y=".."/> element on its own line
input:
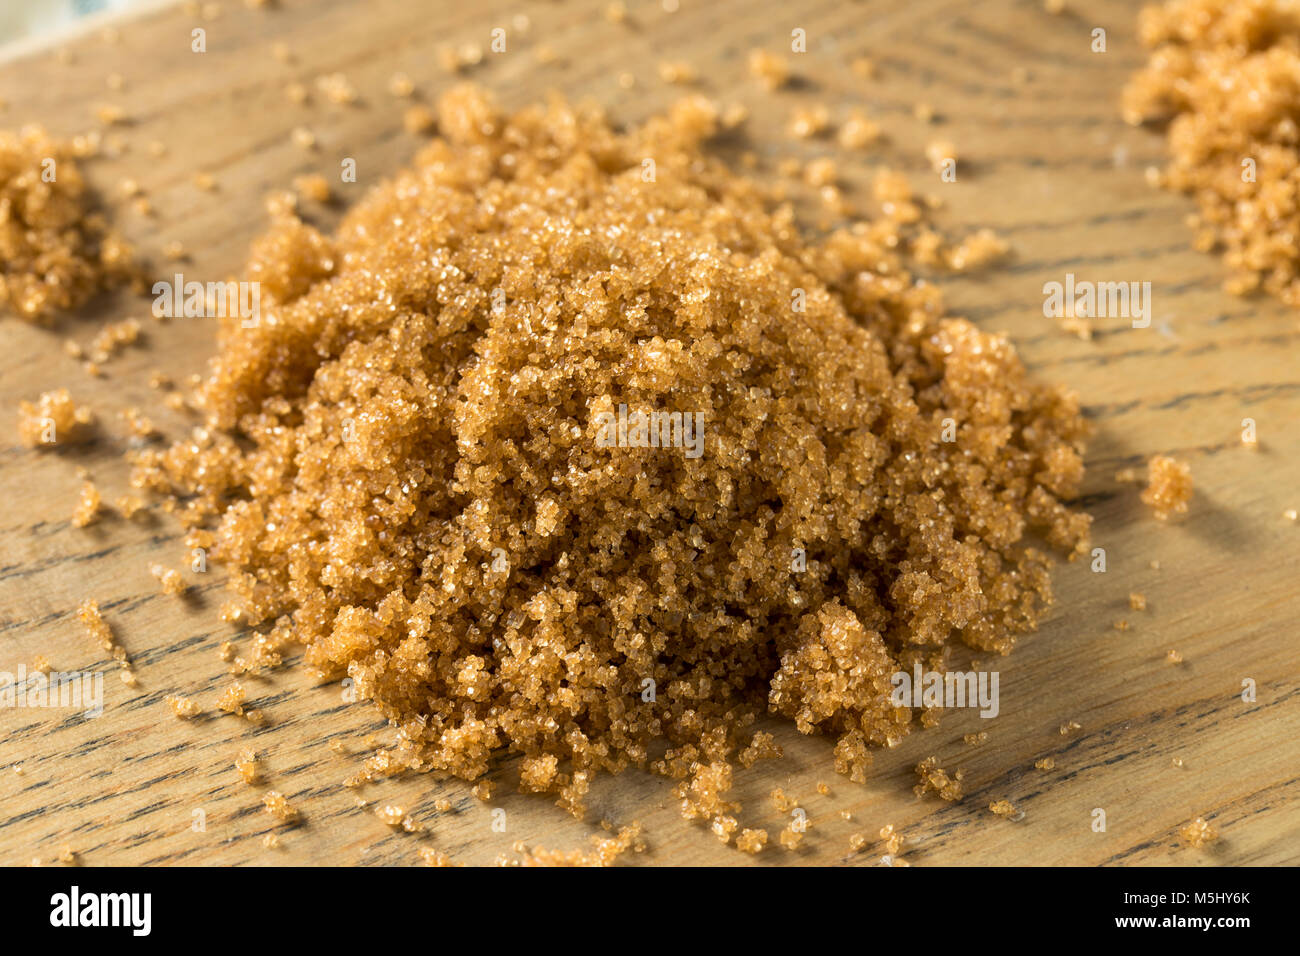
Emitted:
<point x="276" y="805"/>
<point x="751" y="841"/>
<point x="1223" y="77"/>
<point x="56" y="250"/>
<point x="762" y="746"/>
<point x="1137" y="601"/>
<point x="1198" y="833"/>
<point x="1004" y="808"/>
<point x="93" y="621"/>
<point x="791" y="837"/>
<point x="418" y="468"/>
<point x="169" y="579"/>
<point x="771" y="70"/>
<point x="232" y="699"/>
<point x="605" y="851"/>
<point x="892" y="838"/>
<point x="53" y="418"/>
<point x="934" y="779"/>
<point x="183" y="707"/>
<point x="1169" y="487"/>
<point x="313" y="186"/>
<point x="246" y="766"/>
<point x="1045" y="763"/>
<point x="89" y="502"/>
<point x="431" y="857"/>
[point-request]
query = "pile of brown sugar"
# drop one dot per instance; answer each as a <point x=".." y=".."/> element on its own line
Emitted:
<point x="1225" y="75"/>
<point x="402" y="463"/>
<point x="55" y="251"/>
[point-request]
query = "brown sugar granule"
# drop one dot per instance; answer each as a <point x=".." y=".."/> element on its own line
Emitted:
<point x="1069" y="728"/>
<point x="400" y="85"/>
<point x="419" y="119"/>
<point x="114" y="337"/>
<point x="277" y="806"/>
<point x="1137" y="601"/>
<point x="1198" y="833"/>
<point x="676" y="72"/>
<point x="56" y="250"/>
<point x="1223" y="77"/>
<point x="751" y="841"/>
<point x="1003" y="808"/>
<point x="53" y="418"/>
<point x="1169" y="487"/>
<point x="703" y="796"/>
<point x="976" y="739"/>
<point x="939" y="153"/>
<point x="605" y="851"/>
<point x="88" y="505"/>
<point x="432" y="857"/>
<point x="809" y="121"/>
<point x="893" y="839"/>
<point x="313" y="186"/>
<point x="1174" y="656"/>
<point x="771" y="70"/>
<point x="336" y="88"/>
<point x="762" y="746"/>
<point x="246" y="766"/>
<point x="169" y="579"/>
<point x="93" y="621"/>
<point x="821" y="172"/>
<point x="933" y="779"/>
<point x="791" y="837"/>
<point x="1045" y="763"/>
<point x="858" y="132"/>
<point x="409" y="469"/>
<point x="978" y="251"/>
<point x="724" y="826"/>
<point x="232" y="699"/>
<point x="183" y="707"/>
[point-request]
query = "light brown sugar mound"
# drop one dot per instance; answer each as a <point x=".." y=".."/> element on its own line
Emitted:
<point x="403" y="465"/>
<point x="1225" y="76"/>
<point x="55" y="251"/>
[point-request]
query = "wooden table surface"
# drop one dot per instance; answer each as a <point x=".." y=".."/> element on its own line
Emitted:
<point x="1044" y="160"/>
